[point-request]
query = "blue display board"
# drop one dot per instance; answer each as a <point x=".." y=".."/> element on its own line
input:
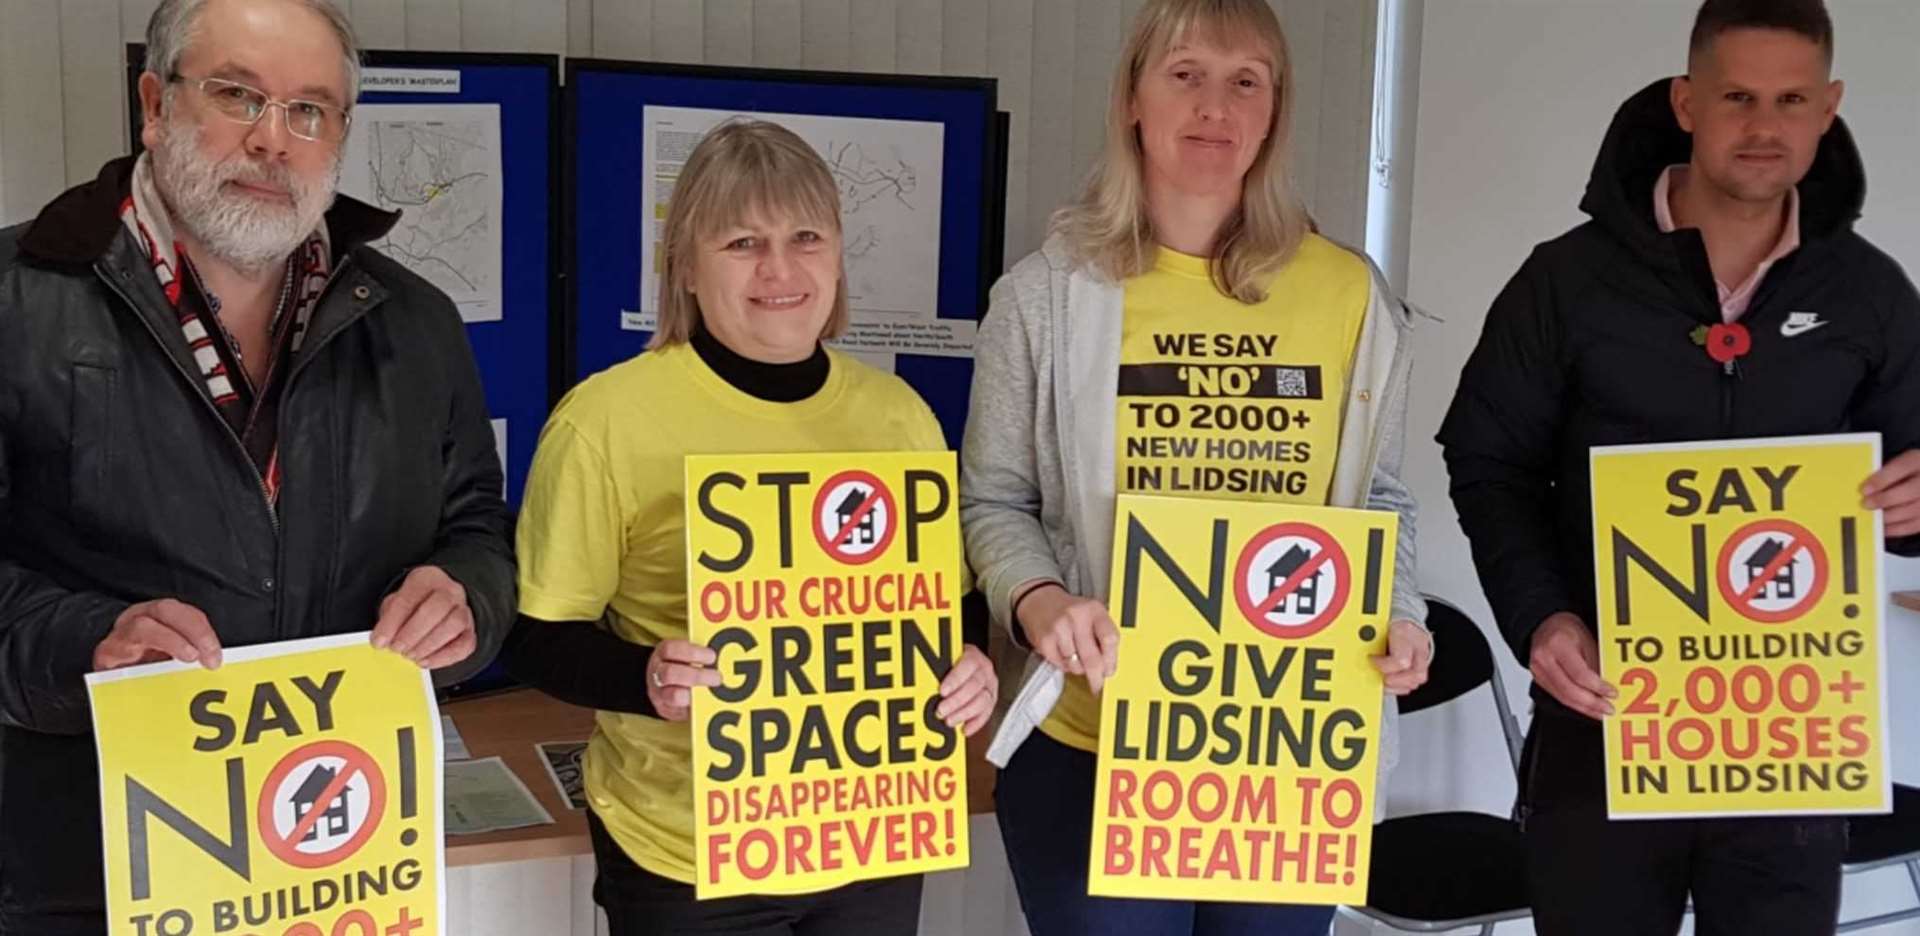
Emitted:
<point x="604" y="105"/>
<point x="522" y="365"/>
<point x="514" y="353"/>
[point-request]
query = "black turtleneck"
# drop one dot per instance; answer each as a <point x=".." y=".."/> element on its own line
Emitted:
<point x="776" y="383"/>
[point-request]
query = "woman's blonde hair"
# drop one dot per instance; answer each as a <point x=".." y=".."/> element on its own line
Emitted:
<point x="743" y="171"/>
<point x="1108" y="228"/>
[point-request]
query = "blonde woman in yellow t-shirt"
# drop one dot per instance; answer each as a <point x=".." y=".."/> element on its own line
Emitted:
<point x="753" y="279"/>
<point x="1189" y="248"/>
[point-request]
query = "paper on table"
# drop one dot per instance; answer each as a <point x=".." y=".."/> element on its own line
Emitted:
<point x="453" y="747"/>
<point x="485" y="796"/>
<point x="566" y="767"/>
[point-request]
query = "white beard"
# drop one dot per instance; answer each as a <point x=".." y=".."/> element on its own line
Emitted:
<point x="246" y="233"/>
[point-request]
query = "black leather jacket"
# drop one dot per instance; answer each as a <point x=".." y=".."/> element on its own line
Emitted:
<point x="120" y="482"/>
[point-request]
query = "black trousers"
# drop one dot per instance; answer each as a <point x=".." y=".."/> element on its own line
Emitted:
<point x="1589" y="875"/>
<point x="641" y="903"/>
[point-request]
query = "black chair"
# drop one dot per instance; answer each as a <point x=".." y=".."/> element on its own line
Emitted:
<point x="1447" y="870"/>
<point x="1875" y="842"/>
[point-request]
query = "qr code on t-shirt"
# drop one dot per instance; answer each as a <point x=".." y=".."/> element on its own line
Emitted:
<point x="1290" y="383"/>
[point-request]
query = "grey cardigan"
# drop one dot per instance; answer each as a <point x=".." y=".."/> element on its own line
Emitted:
<point x="1036" y="468"/>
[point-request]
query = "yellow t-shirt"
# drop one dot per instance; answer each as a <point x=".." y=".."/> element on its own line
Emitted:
<point x="603" y="528"/>
<point x="1228" y="401"/>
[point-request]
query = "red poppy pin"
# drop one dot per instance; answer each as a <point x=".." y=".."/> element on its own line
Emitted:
<point x="1724" y="343"/>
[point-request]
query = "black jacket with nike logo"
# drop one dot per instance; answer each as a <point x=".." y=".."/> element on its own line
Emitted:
<point x="1591" y="344"/>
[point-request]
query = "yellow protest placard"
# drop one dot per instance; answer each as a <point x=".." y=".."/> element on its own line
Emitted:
<point x="1239" y="738"/>
<point x="831" y="595"/>
<point x="295" y="791"/>
<point x="1739" y="615"/>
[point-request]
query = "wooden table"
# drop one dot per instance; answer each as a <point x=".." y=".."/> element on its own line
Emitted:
<point x="1909" y="600"/>
<point x="508" y="725"/>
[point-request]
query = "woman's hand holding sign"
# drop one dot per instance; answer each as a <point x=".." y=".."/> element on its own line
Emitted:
<point x="676" y="667"/>
<point x="1075" y="634"/>
<point x="969" y="691"/>
<point x="1409" y="651"/>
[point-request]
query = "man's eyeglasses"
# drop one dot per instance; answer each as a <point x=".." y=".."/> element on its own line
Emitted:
<point x="309" y="120"/>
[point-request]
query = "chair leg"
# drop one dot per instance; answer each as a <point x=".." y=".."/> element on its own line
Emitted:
<point x="1486" y="929"/>
<point x="1913" y="874"/>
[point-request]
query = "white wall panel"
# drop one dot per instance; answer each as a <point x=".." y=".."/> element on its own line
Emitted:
<point x="510" y="26"/>
<point x="67" y="53"/>
<point x="435" y="24"/>
<point x="826" y="34"/>
<point x="871" y="35"/>
<point x="727" y="42"/>
<point x="92" y="86"/>
<point x="679" y="31"/>
<point x="776" y="33"/>
<point x="32" y="114"/>
<point x="963" y="36"/>
<point x="1050" y="164"/>
<point x="381" y="24"/>
<point x="917" y="46"/>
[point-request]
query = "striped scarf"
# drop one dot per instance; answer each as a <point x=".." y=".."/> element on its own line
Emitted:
<point x="250" y="411"/>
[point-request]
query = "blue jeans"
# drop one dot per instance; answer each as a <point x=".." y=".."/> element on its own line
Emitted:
<point x="1044" y="802"/>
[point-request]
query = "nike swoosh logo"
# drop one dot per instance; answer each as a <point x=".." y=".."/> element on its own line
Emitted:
<point x="1796" y="329"/>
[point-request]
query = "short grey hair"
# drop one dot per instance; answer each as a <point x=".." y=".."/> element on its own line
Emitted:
<point x="172" y="27"/>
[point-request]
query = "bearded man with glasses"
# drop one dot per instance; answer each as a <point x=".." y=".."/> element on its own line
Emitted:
<point x="224" y="420"/>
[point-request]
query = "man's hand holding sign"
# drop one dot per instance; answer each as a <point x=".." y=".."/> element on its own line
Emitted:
<point x="1894" y="490"/>
<point x="426" y="620"/>
<point x="151" y="631"/>
<point x="1566" y="663"/>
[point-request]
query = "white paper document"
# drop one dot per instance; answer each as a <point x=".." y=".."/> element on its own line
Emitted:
<point x="485" y="796"/>
<point x="889" y="174"/>
<point x="439" y="166"/>
<point x="452" y="746"/>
